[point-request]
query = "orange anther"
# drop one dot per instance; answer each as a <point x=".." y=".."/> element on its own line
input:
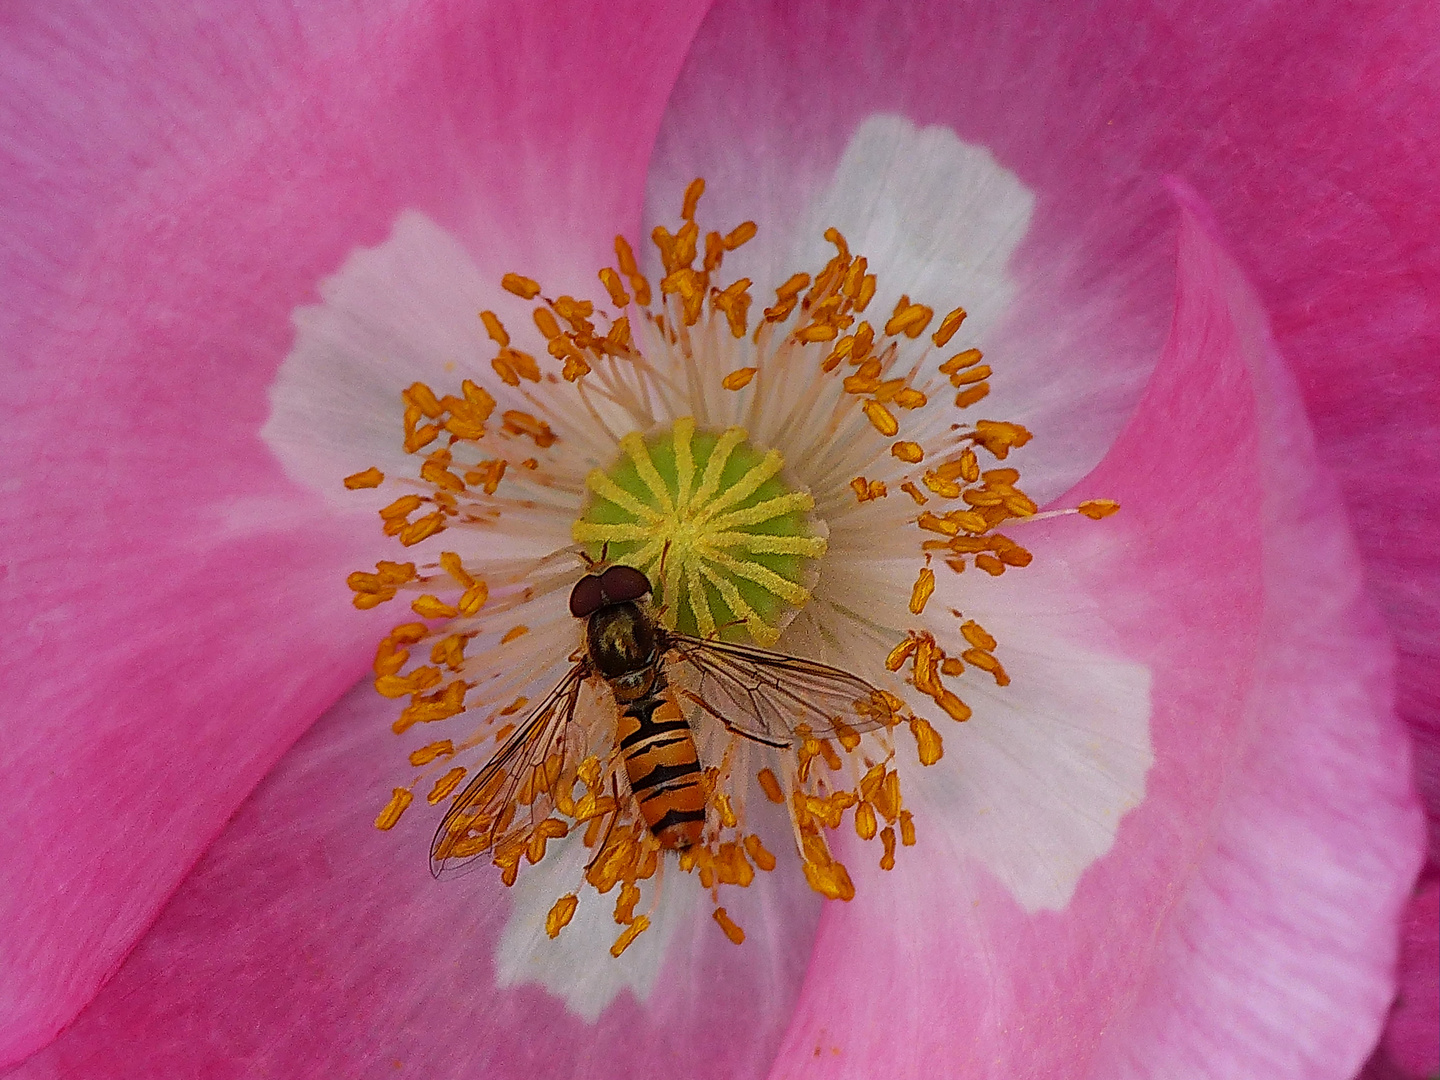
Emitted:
<point x="910" y="398"/>
<point x="626" y="256"/>
<point x="545" y="322"/>
<point x="881" y="418"/>
<point x="629" y="934"/>
<point x="867" y="292"/>
<point x="909" y="319"/>
<point x="816" y="332"/>
<point x="920" y="593"/>
<point x="399" y="800"/>
<point x="948" y="326"/>
<point x="445" y="785"/>
<point x="495" y="328"/>
<point x="739" y="378"/>
<point x="431" y="607"/>
<point x="424" y="399"/>
<point x="733" y="932"/>
<point x="371" y="477"/>
<point x="908" y="451"/>
<point x="887" y="837"/>
<point x="522" y="287"/>
<point x="522" y="423"/>
<point x="927" y="741"/>
<point x="770" y="786"/>
<point x="427" y="754"/>
<point x="1094" y="509"/>
<point x="990" y="564"/>
<point x="741" y="234"/>
<point x="976" y="635"/>
<point x="693" y="191"/>
<point x="974" y="375"/>
<point x="914" y="493"/>
<point x="611" y="280"/>
<point x="561" y="914"/>
<point x="907" y="828"/>
<point x="966" y="398"/>
<point x="865" y="823"/>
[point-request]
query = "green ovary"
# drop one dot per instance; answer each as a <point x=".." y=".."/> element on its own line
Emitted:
<point x="736" y="543"/>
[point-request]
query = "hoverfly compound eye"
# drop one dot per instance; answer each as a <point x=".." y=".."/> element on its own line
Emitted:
<point x="587" y="597"/>
<point x="622" y="583"/>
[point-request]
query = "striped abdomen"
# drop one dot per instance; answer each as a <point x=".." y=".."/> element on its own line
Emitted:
<point x="663" y="767"/>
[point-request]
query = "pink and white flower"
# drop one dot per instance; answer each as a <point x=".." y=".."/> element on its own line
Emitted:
<point x="1181" y="846"/>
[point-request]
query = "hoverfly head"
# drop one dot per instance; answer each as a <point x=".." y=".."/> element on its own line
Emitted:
<point x="616" y="585"/>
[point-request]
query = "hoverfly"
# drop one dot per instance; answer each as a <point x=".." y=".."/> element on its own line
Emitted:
<point x="652" y="675"/>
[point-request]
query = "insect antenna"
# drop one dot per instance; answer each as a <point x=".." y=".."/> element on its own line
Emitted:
<point x="594" y="564"/>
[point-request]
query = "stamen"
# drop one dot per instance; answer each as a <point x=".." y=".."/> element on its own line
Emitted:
<point x="771" y="786"/>
<point x="629" y="934"/>
<point x="866" y="490"/>
<point x="947" y="328"/>
<point x="966" y="398"/>
<point x="908" y="452"/>
<point x="522" y="287"/>
<point x="924" y="587"/>
<point x="739" y="378"/>
<point x="428" y="753"/>
<point x="1095" y="509"/>
<point x="393" y="809"/>
<point x="371" y="477"/>
<point x="733" y="932"/>
<point x="445" y="785"/>
<point x="561" y="914"/>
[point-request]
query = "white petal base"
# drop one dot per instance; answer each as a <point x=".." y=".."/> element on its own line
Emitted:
<point x="577" y="966"/>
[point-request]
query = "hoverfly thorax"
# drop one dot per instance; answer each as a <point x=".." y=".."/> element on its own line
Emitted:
<point x="619" y="632"/>
<point x="620" y="640"/>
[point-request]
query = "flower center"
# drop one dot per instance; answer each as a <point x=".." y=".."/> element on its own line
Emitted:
<point x="708" y="518"/>
<point x="730" y="547"/>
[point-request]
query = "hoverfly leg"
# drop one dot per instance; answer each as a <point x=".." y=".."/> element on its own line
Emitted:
<point x="714" y="635"/>
<point x="755" y="738"/>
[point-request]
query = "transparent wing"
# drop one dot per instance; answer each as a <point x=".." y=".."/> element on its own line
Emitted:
<point x="775" y="698"/>
<point x="483" y="813"/>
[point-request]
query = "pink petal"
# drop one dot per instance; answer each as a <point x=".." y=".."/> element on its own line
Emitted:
<point x="1243" y="923"/>
<point x="307" y="944"/>
<point x="179" y="181"/>
<point x="1308" y="126"/>
<point x="1412" y="1037"/>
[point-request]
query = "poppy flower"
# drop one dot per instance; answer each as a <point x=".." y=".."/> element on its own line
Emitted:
<point x="1183" y="832"/>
